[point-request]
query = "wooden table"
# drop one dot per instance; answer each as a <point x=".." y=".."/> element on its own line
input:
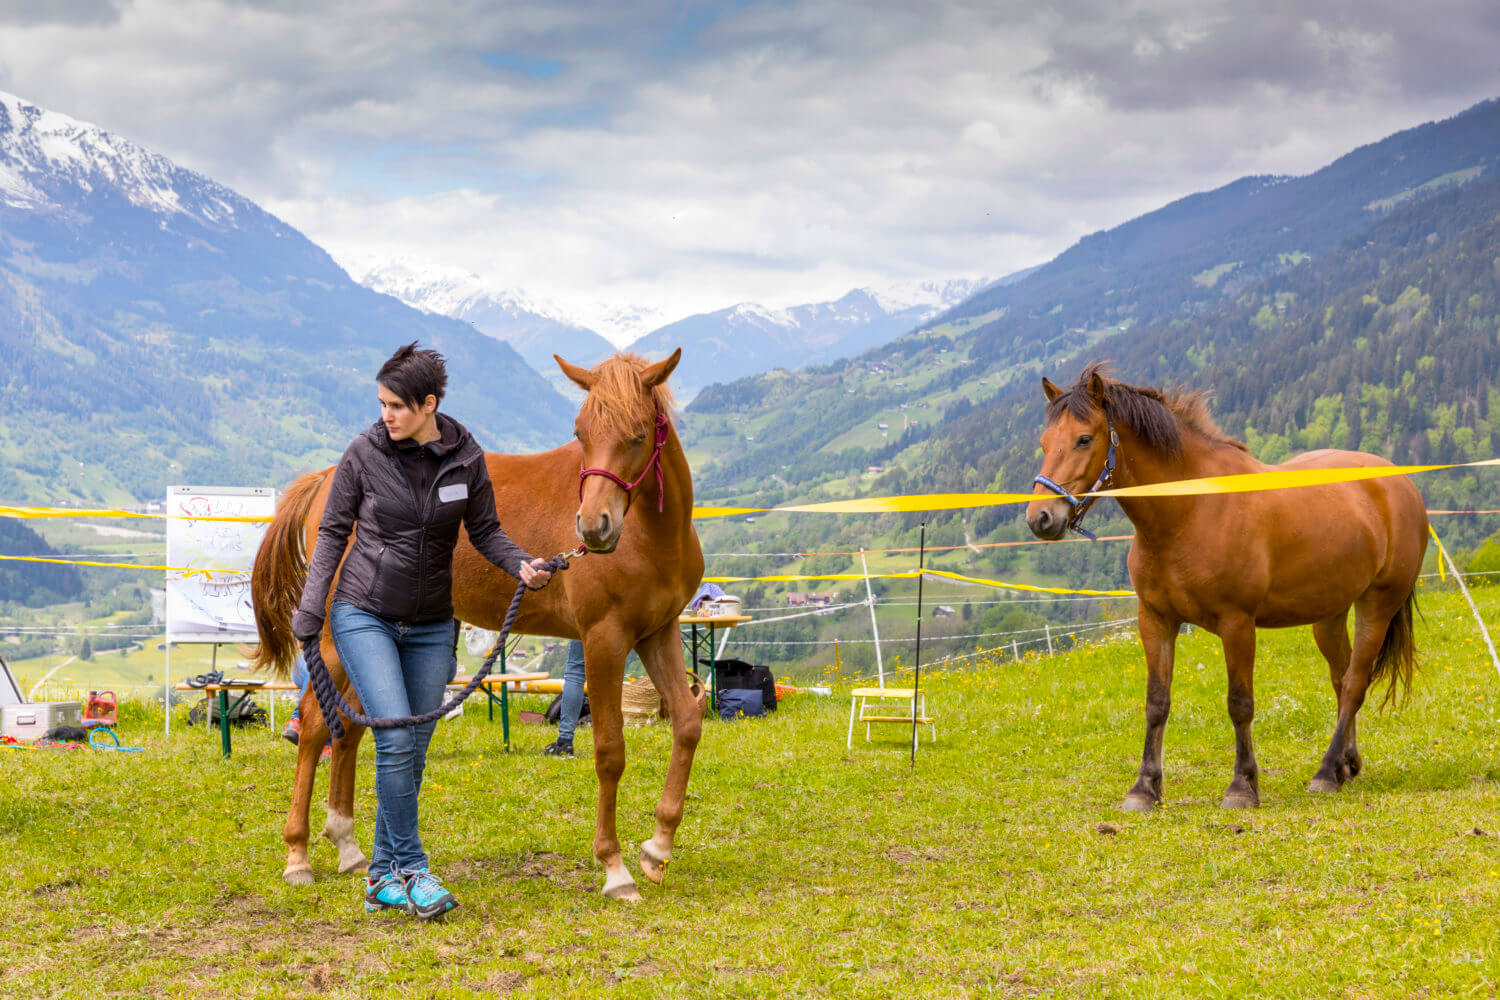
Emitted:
<point x="696" y="642"/>
<point x="489" y="684"/>
<point x="222" y="690"/>
<point x="504" y="682"/>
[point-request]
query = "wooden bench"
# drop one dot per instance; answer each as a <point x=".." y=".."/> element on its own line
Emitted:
<point x="877" y="705"/>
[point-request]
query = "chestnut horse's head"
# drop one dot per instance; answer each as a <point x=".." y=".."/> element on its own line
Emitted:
<point x="1078" y="453"/>
<point x="622" y="427"/>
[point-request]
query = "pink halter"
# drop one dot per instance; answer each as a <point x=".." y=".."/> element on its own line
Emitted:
<point x="662" y="424"/>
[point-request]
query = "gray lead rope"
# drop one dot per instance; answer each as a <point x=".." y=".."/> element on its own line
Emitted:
<point x="331" y="701"/>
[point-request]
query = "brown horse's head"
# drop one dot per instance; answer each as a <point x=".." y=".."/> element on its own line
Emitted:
<point x="1075" y="448"/>
<point x="620" y="427"/>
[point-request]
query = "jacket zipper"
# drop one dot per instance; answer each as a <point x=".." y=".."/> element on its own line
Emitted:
<point x="423" y="521"/>
<point x="375" y="576"/>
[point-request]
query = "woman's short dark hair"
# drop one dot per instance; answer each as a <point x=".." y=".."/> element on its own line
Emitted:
<point x="414" y="373"/>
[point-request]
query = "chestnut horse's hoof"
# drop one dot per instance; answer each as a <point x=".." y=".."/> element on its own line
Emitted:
<point x="1322" y="785"/>
<point x="297" y="876"/>
<point x="359" y="866"/>
<point x="1135" y="802"/>
<point x="653" y="867"/>
<point x="626" y="893"/>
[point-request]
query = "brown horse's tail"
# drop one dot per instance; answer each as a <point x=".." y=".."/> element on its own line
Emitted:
<point x="1398" y="654"/>
<point x="280" y="569"/>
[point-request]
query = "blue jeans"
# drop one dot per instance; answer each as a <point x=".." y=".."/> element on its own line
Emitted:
<point x="572" y="693"/>
<point x="397" y="669"/>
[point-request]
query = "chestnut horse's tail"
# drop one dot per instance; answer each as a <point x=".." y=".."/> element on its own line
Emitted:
<point x="280" y="569"/>
<point x="1397" y="658"/>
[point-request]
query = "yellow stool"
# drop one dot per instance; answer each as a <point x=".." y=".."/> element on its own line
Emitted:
<point x="877" y="704"/>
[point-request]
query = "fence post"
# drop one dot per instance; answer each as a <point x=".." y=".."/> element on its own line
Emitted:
<point x="874" y="625"/>
<point x="1015" y="650"/>
<point x="1049" y="637"/>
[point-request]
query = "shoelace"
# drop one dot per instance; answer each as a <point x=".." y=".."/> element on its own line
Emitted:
<point x="418" y="878"/>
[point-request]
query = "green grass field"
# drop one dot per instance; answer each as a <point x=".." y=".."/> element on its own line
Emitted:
<point x="999" y="866"/>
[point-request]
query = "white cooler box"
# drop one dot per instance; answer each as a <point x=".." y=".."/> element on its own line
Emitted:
<point x="29" y="722"/>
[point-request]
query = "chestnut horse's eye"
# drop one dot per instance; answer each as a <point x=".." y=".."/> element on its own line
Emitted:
<point x="1085" y="440"/>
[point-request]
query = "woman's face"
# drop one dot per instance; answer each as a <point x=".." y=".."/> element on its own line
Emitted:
<point x="400" y="419"/>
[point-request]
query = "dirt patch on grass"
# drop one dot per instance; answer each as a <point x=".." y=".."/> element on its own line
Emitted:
<point x="542" y="865"/>
<point x="501" y="983"/>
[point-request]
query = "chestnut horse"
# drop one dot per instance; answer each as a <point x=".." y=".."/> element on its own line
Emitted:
<point x="1232" y="563"/>
<point x="644" y="565"/>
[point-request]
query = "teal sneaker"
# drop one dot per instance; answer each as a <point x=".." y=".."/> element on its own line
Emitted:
<point x="425" y="896"/>
<point x="385" y="892"/>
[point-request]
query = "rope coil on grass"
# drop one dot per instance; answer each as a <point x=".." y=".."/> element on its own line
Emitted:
<point x="331" y="701"/>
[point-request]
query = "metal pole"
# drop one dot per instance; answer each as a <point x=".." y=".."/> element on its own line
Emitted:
<point x="874" y="625"/>
<point x="1459" y="579"/>
<point x="166" y="690"/>
<point x="916" y="687"/>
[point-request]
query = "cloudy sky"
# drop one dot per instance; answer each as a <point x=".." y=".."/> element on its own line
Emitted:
<point x="682" y="157"/>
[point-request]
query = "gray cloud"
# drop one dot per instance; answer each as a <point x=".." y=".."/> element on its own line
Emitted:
<point x="1156" y="55"/>
<point x="774" y="151"/>
<point x="61" y="12"/>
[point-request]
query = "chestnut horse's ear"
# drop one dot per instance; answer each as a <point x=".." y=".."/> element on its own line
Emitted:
<point x="1096" y="388"/>
<point x="1051" y="390"/>
<point x="654" y="375"/>
<point x="580" y="377"/>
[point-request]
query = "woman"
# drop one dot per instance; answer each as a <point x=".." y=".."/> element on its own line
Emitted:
<point x="407" y="482"/>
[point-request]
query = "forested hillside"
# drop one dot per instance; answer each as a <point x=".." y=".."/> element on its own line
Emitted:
<point x="33" y="584"/>
<point x="1387" y="341"/>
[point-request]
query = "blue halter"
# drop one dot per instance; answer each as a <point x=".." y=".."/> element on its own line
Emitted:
<point x="1080" y="507"/>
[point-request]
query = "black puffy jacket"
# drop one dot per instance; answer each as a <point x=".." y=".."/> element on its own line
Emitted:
<point x="401" y="565"/>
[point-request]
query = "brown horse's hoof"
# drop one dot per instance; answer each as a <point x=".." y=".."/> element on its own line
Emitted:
<point x="652" y="867"/>
<point x="360" y="867"/>
<point x="1322" y="785"/>
<point x="1138" y="803"/>
<point x="297" y="876"/>
<point x="626" y="893"/>
<point x="1237" y="801"/>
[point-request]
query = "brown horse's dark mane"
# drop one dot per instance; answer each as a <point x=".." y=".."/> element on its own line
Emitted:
<point x="1156" y="416"/>
<point x="617" y="400"/>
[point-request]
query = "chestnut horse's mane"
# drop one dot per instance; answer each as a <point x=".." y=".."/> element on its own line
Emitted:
<point x="1156" y="416"/>
<point x="616" y="401"/>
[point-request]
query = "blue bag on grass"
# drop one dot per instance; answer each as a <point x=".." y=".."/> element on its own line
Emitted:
<point x="740" y="701"/>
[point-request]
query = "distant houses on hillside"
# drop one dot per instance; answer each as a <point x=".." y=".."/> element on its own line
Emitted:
<point x="811" y="599"/>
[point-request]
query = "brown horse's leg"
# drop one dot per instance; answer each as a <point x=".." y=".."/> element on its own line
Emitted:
<point x="1239" y="658"/>
<point x="662" y="655"/>
<point x="1332" y="637"/>
<point x="1159" y="640"/>
<point x="339" y="827"/>
<point x="298" y="869"/>
<point x="1370" y="624"/>
<point x="604" y="668"/>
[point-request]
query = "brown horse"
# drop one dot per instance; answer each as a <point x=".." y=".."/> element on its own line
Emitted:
<point x="626" y="594"/>
<point x="1231" y="563"/>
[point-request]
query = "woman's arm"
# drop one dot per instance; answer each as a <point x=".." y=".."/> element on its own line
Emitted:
<point x="339" y="514"/>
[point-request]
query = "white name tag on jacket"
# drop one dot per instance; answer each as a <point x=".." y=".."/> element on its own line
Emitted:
<point x="458" y="491"/>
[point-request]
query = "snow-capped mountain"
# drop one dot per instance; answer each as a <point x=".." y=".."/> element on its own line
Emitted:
<point x="536" y="328"/>
<point x="748" y="338"/>
<point x="155" y="324"/>
<point x="46" y="158"/>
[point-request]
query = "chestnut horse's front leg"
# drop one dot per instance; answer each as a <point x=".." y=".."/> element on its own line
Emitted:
<point x="604" y="652"/>
<point x="339" y="827"/>
<point x="661" y="652"/>
<point x="1238" y="636"/>
<point x="1159" y="640"/>
<point x="298" y="869"/>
